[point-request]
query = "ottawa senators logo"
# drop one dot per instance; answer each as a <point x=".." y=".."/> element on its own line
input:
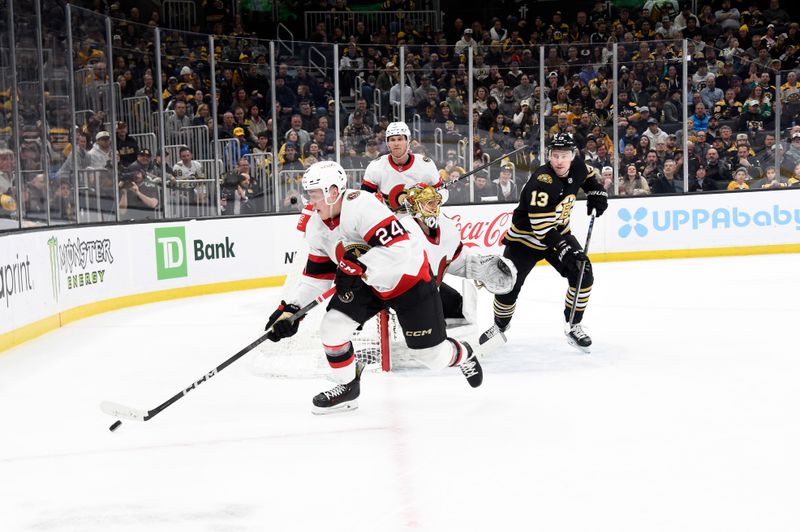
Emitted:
<point x="396" y="197"/>
<point x="353" y="195"/>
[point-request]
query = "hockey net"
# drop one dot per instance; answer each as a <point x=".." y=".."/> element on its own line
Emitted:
<point x="379" y="344"/>
<point x="302" y="355"/>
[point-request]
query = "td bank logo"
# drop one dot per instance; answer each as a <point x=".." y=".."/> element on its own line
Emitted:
<point x="171" y="260"/>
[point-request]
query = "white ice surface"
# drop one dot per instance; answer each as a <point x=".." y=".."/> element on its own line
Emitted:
<point x="684" y="418"/>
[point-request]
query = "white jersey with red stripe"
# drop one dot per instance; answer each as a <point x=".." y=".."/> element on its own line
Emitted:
<point x="394" y="262"/>
<point x="390" y="179"/>
<point x="443" y="246"/>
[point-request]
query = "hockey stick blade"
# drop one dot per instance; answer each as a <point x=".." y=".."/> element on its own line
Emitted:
<point x="118" y="410"/>
<point x="122" y="411"/>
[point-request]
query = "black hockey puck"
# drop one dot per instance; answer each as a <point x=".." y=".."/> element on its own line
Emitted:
<point x="116" y="424"/>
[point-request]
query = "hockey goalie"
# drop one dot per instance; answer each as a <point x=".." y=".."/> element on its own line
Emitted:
<point x="446" y="253"/>
<point x="356" y="242"/>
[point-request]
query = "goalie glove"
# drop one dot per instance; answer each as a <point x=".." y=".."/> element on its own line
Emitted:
<point x="280" y="324"/>
<point x="498" y="274"/>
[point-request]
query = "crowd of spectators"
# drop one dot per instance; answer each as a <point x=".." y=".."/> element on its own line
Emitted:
<point x="735" y="52"/>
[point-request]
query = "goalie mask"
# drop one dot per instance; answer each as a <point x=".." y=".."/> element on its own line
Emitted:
<point x="424" y="202"/>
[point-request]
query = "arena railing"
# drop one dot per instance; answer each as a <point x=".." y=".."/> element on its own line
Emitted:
<point x="52" y="127"/>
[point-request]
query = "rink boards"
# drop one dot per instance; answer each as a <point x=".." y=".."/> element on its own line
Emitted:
<point x="53" y="276"/>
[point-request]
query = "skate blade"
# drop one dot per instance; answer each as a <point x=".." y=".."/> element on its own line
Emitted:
<point x="580" y="348"/>
<point x="489" y="344"/>
<point x="338" y="409"/>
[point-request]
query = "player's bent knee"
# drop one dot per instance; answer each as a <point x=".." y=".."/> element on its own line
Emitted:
<point x="337" y="328"/>
<point x="436" y="357"/>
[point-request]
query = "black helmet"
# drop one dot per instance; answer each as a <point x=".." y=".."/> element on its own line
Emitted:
<point x="562" y="141"/>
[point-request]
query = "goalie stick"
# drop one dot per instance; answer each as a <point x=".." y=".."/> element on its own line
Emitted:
<point x="126" y="412"/>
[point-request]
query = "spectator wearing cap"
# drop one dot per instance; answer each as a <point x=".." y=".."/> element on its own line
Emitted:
<point x="356" y="135"/>
<point x="367" y="115"/>
<point x="739" y="181"/>
<point x="751" y="119"/>
<point x="127" y="147"/>
<point x="143" y="162"/>
<point x="240" y="134"/>
<point x="700" y="181"/>
<point x="466" y="41"/>
<point x="505" y="187"/>
<point x="654" y="132"/>
<point x="100" y="156"/>
<point x="640" y="118"/>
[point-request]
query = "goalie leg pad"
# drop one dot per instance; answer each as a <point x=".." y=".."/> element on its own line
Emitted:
<point x="498" y="274"/>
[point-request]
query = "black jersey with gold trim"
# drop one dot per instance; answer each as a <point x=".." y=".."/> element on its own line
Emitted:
<point x="546" y="203"/>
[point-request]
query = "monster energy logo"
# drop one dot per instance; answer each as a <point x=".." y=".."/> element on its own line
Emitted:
<point x="55" y="280"/>
<point x="75" y="259"/>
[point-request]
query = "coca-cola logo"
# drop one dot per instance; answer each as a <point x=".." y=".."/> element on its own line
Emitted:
<point x="482" y="233"/>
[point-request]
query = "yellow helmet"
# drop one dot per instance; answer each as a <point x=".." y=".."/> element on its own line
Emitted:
<point x="424" y="202"/>
<point x="8" y="203"/>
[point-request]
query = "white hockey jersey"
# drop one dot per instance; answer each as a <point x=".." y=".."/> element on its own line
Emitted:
<point x="394" y="262"/>
<point x="444" y="248"/>
<point x="384" y="176"/>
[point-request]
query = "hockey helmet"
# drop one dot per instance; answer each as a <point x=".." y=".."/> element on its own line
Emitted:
<point x="562" y="141"/>
<point x="398" y="128"/>
<point x="324" y="175"/>
<point x="424" y="202"/>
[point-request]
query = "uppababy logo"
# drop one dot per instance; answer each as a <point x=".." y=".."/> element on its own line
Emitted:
<point x="642" y="221"/>
<point x="632" y="222"/>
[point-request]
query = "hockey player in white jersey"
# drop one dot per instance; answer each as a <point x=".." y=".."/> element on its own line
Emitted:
<point x="392" y="270"/>
<point x="393" y="173"/>
<point x="446" y="253"/>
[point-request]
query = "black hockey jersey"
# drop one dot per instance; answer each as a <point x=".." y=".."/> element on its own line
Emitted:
<point x="546" y="203"/>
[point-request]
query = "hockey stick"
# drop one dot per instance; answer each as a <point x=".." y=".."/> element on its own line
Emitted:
<point x="483" y="167"/>
<point x="126" y="412"/>
<point x="580" y="275"/>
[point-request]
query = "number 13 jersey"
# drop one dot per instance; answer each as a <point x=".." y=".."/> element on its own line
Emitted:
<point x="546" y="203"/>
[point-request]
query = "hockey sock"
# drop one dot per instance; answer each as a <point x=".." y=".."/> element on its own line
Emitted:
<point x="583" y="300"/>
<point x="503" y="313"/>
<point x="341" y="359"/>
<point x="459" y="352"/>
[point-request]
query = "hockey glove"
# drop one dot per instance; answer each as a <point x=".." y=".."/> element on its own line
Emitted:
<point x="280" y="324"/>
<point x="596" y="200"/>
<point x="570" y="257"/>
<point x="348" y="274"/>
<point x="497" y="274"/>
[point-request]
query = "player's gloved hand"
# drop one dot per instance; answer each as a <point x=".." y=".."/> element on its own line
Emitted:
<point x="596" y="200"/>
<point x="279" y="321"/>
<point x="348" y="274"/>
<point x="570" y="257"/>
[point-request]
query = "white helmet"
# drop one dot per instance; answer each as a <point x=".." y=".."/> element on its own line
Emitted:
<point x="397" y="128"/>
<point x="324" y="175"/>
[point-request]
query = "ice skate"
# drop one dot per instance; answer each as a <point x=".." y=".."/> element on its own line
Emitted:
<point x="493" y="331"/>
<point x="578" y="338"/>
<point x="340" y="398"/>
<point x="471" y="368"/>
